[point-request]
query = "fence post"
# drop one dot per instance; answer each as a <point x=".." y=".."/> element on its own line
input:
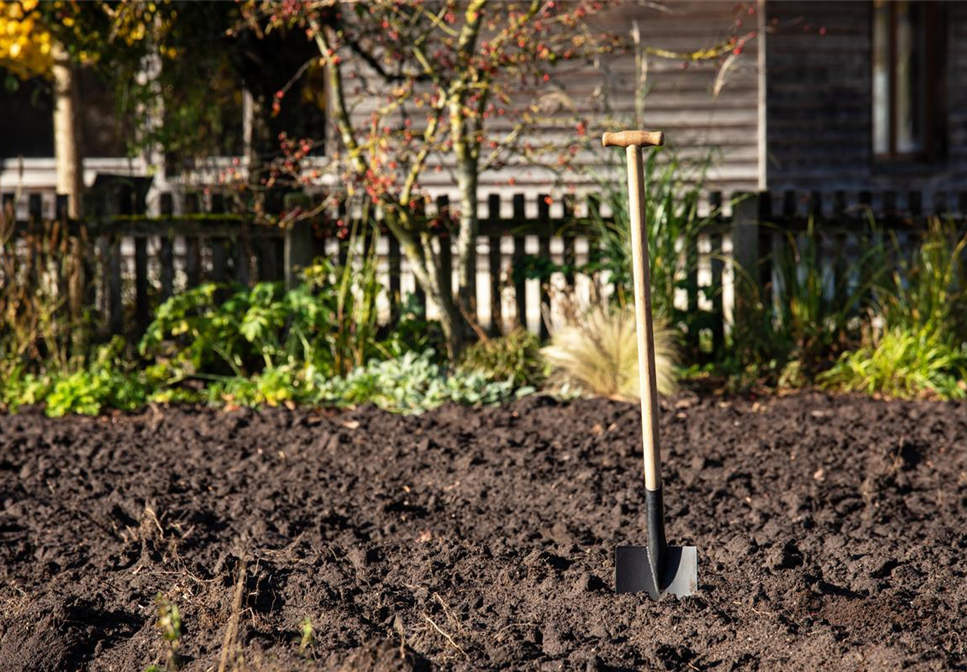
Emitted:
<point x="298" y="251"/>
<point x="746" y="255"/>
<point x="141" y="309"/>
<point x="166" y="251"/>
<point x="35" y="206"/>
<point x="193" y="269"/>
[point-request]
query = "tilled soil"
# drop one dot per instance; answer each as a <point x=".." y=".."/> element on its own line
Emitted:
<point x="831" y="535"/>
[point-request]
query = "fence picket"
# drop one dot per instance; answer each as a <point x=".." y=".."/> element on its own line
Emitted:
<point x="142" y="310"/>
<point x="915" y="204"/>
<point x="242" y="256"/>
<point x="446" y="248"/>
<point x="395" y="277"/>
<point x="839" y="203"/>
<point x="493" y="265"/>
<point x="166" y="253"/>
<point x="570" y="258"/>
<point x="544" y="254"/>
<point x="789" y="205"/>
<point x="889" y="205"/>
<point x="940" y="203"/>
<point x="520" y="251"/>
<point x="115" y="308"/>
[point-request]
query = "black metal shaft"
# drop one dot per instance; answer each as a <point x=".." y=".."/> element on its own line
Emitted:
<point x="657" y="546"/>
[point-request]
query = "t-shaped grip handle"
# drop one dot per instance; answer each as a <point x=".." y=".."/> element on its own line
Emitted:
<point x="633" y="138"/>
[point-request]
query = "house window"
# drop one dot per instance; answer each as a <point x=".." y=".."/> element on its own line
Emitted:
<point x="907" y="53"/>
<point x="28" y="118"/>
<point x="101" y="132"/>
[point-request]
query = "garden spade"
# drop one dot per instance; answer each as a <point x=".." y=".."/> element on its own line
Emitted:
<point x="656" y="568"/>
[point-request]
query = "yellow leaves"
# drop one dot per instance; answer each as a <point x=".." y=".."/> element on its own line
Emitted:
<point x="136" y="21"/>
<point x="26" y="46"/>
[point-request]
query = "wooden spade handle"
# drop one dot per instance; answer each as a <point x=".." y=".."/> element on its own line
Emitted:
<point x="633" y="139"/>
<point x="644" y="318"/>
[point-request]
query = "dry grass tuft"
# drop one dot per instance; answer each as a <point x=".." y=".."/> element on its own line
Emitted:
<point x="597" y="350"/>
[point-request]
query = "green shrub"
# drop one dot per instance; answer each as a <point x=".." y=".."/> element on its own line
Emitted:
<point x="412" y="384"/>
<point x="327" y="324"/>
<point x="515" y="357"/>
<point x="106" y="383"/>
<point x="929" y="290"/>
<point x="192" y="333"/>
<point x="273" y="386"/>
<point x="23" y="389"/>
<point x="920" y="350"/>
<point x="673" y="188"/>
<point x="812" y="319"/>
<point x="412" y="333"/>
<point x="902" y="363"/>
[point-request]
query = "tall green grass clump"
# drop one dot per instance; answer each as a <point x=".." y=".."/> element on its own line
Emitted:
<point x="815" y="307"/>
<point x="674" y="223"/>
<point x="916" y="346"/>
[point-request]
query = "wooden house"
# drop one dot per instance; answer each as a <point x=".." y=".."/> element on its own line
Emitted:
<point x="815" y="97"/>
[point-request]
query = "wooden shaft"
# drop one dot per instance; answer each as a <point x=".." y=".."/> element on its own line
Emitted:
<point x="643" y="318"/>
<point x="636" y="138"/>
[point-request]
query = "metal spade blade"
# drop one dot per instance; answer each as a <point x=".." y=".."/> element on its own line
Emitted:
<point x="633" y="571"/>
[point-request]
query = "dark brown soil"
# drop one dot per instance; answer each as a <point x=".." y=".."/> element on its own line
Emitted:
<point x="831" y="535"/>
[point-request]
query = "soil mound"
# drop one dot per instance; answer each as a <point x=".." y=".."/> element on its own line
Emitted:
<point x="831" y="535"/>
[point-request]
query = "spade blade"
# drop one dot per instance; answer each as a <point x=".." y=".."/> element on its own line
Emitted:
<point x="633" y="572"/>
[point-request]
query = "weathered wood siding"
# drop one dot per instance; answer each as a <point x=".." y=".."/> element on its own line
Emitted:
<point x="819" y="93"/>
<point x="680" y="101"/>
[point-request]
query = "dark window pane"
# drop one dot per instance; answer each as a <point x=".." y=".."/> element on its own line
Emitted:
<point x="910" y="75"/>
<point x="881" y="77"/>
<point x="303" y="113"/>
<point x="27" y="114"/>
<point x="100" y="130"/>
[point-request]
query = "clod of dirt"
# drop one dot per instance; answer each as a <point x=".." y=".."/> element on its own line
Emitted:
<point x="784" y="556"/>
<point x="384" y="655"/>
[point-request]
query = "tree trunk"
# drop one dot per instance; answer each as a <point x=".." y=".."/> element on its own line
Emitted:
<point x="69" y="170"/>
<point x="67" y="157"/>
<point x="428" y="276"/>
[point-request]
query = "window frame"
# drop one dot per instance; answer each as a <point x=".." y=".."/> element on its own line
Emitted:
<point x="934" y="109"/>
